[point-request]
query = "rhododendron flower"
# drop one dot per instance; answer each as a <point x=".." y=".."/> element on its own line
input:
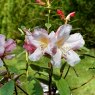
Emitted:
<point x="57" y="45"/>
<point x="66" y="44"/>
<point x="38" y="43"/>
<point x="6" y="47"/>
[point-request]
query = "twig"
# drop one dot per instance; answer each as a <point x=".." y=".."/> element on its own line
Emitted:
<point x="88" y="55"/>
<point x="83" y="83"/>
<point x="75" y="72"/>
<point x="50" y="78"/>
<point x="22" y="90"/>
<point x="16" y="91"/>
<point x="67" y="72"/>
<point x="62" y="69"/>
<point x="9" y="75"/>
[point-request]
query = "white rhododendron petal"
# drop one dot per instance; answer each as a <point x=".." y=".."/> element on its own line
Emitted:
<point x="64" y="31"/>
<point x="6" y="47"/>
<point x="57" y="45"/>
<point x="2" y="40"/>
<point x="50" y="49"/>
<point x="36" y="55"/>
<point x="29" y="37"/>
<point x="1" y="63"/>
<point x="41" y="35"/>
<point x="56" y="59"/>
<point x="39" y="31"/>
<point x="75" y="41"/>
<point x="72" y="58"/>
<point x="10" y="45"/>
<point x="52" y="36"/>
<point x="2" y="49"/>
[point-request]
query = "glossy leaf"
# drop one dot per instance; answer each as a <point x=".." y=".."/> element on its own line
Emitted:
<point x="33" y="87"/>
<point x="8" y="88"/>
<point x="63" y="87"/>
<point x="38" y="68"/>
<point x="48" y="25"/>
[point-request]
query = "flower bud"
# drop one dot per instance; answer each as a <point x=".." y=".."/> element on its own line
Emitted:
<point x="60" y="13"/>
<point x="72" y="14"/>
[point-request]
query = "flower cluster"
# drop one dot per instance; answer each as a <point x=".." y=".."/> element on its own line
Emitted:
<point x="6" y="47"/>
<point x="58" y="45"/>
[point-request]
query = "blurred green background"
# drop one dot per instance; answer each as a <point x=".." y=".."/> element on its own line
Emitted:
<point x="17" y="13"/>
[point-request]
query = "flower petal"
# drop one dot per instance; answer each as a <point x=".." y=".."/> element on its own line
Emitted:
<point x="10" y="56"/>
<point x="36" y="55"/>
<point x="29" y="47"/>
<point x="63" y="31"/>
<point x="50" y="49"/>
<point x="39" y="31"/>
<point x="10" y="45"/>
<point x="72" y="58"/>
<point x="41" y="35"/>
<point x="28" y="37"/>
<point x="31" y="40"/>
<point x="2" y="40"/>
<point x="62" y="34"/>
<point x="75" y="41"/>
<point x="56" y="59"/>
<point x="52" y="35"/>
<point x="1" y="63"/>
<point x="2" y="49"/>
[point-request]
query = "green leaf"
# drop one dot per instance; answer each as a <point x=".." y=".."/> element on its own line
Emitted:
<point x="33" y="87"/>
<point x="63" y="87"/>
<point x="39" y="68"/>
<point x="48" y="25"/>
<point x="8" y="88"/>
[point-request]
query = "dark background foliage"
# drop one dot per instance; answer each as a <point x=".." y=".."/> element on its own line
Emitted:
<point x="17" y="13"/>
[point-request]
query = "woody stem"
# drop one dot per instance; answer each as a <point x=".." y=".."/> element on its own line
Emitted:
<point x="9" y="75"/>
<point x="50" y="78"/>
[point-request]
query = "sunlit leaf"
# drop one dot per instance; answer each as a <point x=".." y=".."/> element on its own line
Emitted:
<point x="38" y="68"/>
<point x="63" y="87"/>
<point x="48" y="25"/>
<point x="33" y="87"/>
<point x="8" y="88"/>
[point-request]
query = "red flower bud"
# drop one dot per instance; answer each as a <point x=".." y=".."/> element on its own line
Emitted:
<point x="72" y="14"/>
<point x="60" y="13"/>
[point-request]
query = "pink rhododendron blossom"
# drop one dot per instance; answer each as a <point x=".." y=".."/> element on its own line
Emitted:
<point x="58" y="45"/>
<point x="66" y="44"/>
<point x="6" y="47"/>
<point x="38" y="43"/>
